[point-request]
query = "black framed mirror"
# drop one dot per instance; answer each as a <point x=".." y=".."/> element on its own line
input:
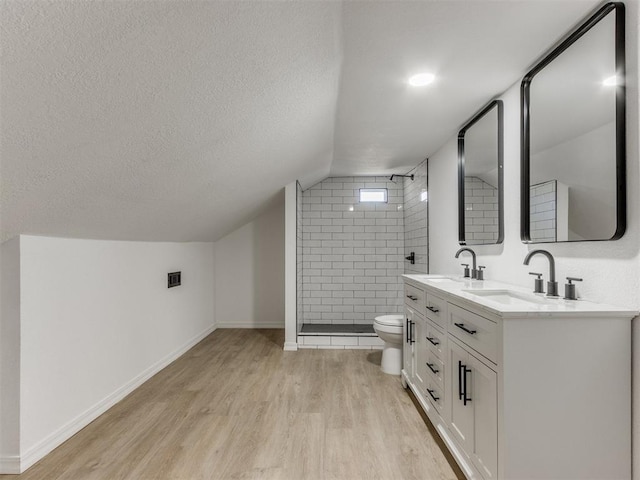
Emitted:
<point x="480" y="178"/>
<point x="573" y="138"/>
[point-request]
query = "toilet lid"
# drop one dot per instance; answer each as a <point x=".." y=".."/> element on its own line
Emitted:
<point x="392" y="320"/>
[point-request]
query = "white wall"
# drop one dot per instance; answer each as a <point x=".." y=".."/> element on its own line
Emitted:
<point x="249" y="279"/>
<point x="10" y="355"/>
<point x="611" y="270"/>
<point x="96" y="320"/>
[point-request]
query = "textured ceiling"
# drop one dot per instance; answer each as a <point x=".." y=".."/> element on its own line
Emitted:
<point x="477" y="49"/>
<point x="181" y="120"/>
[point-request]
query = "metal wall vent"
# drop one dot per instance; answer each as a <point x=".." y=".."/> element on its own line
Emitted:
<point x="173" y="279"/>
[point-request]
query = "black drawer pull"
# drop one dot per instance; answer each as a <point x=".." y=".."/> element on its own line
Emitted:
<point x="462" y="327"/>
<point x="430" y="392"/>
<point x="411" y="329"/>
<point x="431" y="367"/>
<point x="433" y="309"/>
<point x="433" y="341"/>
<point x="411" y="297"/>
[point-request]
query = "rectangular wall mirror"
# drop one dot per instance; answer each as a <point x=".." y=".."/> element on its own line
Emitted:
<point x="480" y="192"/>
<point x="573" y="136"/>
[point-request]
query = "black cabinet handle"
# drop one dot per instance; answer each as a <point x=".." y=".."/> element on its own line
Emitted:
<point x="431" y="367"/>
<point x="433" y="341"/>
<point x="460" y="380"/>
<point x="410" y="325"/>
<point x="433" y="309"/>
<point x="411" y="297"/>
<point x="430" y="392"/>
<point x="407" y="329"/>
<point x="465" y="398"/>
<point x="462" y="327"/>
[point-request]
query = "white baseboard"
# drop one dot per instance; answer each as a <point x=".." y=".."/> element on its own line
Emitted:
<point x="46" y="445"/>
<point x="10" y="464"/>
<point x="249" y="325"/>
<point x="290" y="347"/>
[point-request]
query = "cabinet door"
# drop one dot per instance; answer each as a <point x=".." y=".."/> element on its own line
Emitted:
<point x="484" y="401"/>
<point x="407" y="350"/>
<point x="421" y="349"/>
<point x="461" y="414"/>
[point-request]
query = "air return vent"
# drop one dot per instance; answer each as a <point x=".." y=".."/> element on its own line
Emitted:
<point x="173" y="279"/>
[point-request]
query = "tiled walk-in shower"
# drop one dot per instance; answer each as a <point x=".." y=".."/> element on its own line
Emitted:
<point x="351" y="256"/>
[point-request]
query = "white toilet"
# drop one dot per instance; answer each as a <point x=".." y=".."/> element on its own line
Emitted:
<point x="389" y="329"/>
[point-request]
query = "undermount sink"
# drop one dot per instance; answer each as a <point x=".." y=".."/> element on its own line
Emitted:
<point x="508" y="297"/>
<point x="446" y="279"/>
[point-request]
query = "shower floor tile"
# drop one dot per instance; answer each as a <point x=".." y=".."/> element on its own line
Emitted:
<point x="363" y="330"/>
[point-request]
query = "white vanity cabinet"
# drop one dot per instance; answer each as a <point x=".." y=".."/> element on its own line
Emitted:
<point x="473" y="352"/>
<point x="414" y="334"/>
<point x="414" y="350"/>
<point x="474" y="408"/>
<point x="435" y="361"/>
<point x="407" y="348"/>
<point x="435" y="371"/>
<point x="514" y="393"/>
<point x="420" y="356"/>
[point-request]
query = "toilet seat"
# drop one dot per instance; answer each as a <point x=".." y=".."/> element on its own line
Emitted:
<point x="389" y="320"/>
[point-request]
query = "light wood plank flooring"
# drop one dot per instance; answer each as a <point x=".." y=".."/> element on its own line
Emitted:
<point x="237" y="407"/>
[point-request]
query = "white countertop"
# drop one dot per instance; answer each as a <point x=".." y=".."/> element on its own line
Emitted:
<point x="517" y="302"/>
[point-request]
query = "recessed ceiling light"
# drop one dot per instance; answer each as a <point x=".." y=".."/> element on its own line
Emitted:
<point x="611" y="81"/>
<point x="421" y="79"/>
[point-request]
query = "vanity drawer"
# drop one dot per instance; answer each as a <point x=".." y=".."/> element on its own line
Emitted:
<point x="414" y="297"/>
<point x="474" y="330"/>
<point x="435" y="339"/>
<point x="435" y="369"/>
<point x="434" y="394"/>
<point x="436" y="309"/>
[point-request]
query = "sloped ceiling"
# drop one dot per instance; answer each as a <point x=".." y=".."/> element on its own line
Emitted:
<point x="477" y="49"/>
<point x="182" y="120"/>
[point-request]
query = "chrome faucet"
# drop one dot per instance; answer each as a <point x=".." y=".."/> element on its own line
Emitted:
<point x="474" y="272"/>
<point x="552" y="285"/>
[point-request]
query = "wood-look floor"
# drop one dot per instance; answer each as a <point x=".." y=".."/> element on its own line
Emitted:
<point x="237" y="407"/>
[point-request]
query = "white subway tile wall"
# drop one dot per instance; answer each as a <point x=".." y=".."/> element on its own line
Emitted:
<point x="481" y="211"/>
<point x="415" y="220"/>
<point x="299" y="244"/>
<point x="352" y="252"/>
<point x="542" y="211"/>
